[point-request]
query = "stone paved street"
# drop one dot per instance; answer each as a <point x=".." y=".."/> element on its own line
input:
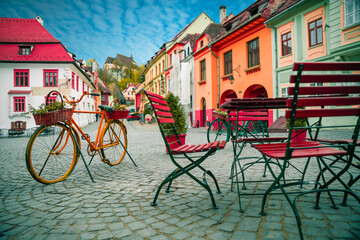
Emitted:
<point x="117" y="205"/>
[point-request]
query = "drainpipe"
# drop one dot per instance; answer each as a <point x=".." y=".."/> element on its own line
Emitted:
<point x="218" y="75"/>
<point x="276" y="64"/>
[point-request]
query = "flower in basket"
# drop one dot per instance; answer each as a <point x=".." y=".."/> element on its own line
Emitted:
<point x="52" y="113"/>
<point x="221" y="112"/>
<point x="46" y="108"/>
<point x="119" y="107"/>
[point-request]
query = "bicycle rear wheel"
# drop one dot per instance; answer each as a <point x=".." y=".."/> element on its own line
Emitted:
<point x="51" y="153"/>
<point x="218" y="131"/>
<point x="112" y="150"/>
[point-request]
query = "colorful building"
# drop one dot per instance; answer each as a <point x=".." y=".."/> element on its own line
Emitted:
<point x="32" y="63"/>
<point x="233" y="60"/>
<point x="315" y="31"/>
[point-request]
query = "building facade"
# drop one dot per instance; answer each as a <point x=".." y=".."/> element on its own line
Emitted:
<point x="32" y="64"/>
<point x="313" y="31"/>
<point x="233" y="60"/>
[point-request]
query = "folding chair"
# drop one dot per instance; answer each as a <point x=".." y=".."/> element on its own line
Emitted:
<point x="163" y="116"/>
<point x="334" y="95"/>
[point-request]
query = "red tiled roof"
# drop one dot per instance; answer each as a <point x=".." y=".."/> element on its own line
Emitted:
<point x="40" y="52"/>
<point x="24" y="31"/>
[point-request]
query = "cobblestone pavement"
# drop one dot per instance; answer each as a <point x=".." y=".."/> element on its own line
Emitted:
<point x="117" y="205"/>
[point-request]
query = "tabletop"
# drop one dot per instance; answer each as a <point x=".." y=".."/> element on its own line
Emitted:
<point x="254" y="103"/>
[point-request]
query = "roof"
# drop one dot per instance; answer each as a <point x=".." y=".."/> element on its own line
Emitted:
<point x="276" y="7"/>
<point x="109" y="60"/>
<point x="127" y="61"/>
<point x="40" y="52"/>
<point x="103" y="86"/>
<point x="19" y="30"/>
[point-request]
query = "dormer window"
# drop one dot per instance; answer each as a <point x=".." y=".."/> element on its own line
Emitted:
<point x="24" y="50"/>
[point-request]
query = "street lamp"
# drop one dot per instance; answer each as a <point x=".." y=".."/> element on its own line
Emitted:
<point x="231" y="79"/>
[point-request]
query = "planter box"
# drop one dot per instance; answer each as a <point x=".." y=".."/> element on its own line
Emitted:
<point x="173" y="138"/>
<point x="118" y="114"/>
<point x="296" y="136"/>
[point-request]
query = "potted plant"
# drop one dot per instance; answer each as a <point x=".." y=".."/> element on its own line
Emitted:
<point x="178" y="113"/>
<point x="52" y="113"/>
<point x="297" y="135"/>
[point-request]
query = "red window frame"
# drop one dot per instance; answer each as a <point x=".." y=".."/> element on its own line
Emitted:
<point x="77" y="83"/>
<point x="253" y="53"/>
<point x="51" y="77"/>
<point x="88" y="90"/>
<point x="19" y="104"/>
<point x="203" y="70"/>
<point x="21" y="78"/>
<point x="286" y="47"/>
<point x="72" y="80"/>
<point x="315" y="30"/>
<point x="83" y="84"/>
<point x="51" y="100"/>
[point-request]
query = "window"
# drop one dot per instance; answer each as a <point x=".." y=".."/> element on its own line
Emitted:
<point x="50" y="100"/>
<point x="21" y="77"/>
<point x="228" y="62"/>
<point x="50" y="78"/>
<point x="315" y="33"/>
<point x="88" y="90"/>
<point x="352" y="12"/>
<point x="188" y="51"/>
<point x="286" y="44"/>
<point x="24" y="50"/>
<point x="201" y="43"/>
<point x="19" y="104"/>
<point x="73" y="80"/>
<point x="284" y="92"/>
<point x="203" y="70"/>
<point x="170" y="59"/>
<point x="77" y="83"/>
<point x="83" y="83"/>
<point x="253" y="53"/>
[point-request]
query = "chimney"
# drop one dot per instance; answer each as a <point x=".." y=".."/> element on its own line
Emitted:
<point x="222" y="13"/>
<point x="40" y="20"/>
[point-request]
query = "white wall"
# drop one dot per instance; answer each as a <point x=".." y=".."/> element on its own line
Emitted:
<point x="38" y="92"/>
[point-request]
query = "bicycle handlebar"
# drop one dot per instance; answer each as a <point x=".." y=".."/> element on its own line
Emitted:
<point x="74" y="102"/>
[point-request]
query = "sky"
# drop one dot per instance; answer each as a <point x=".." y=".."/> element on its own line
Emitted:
<point x="102" y="28"/>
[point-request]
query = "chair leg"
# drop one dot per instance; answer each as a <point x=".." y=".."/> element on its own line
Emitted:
<point x="335" y="177"/>
<point x="304" y="171"/>
<point x="215" y="181"/>
<point x="238" y="189"/>
<point x="346" y="194"/>
<point x="277" y="180"/>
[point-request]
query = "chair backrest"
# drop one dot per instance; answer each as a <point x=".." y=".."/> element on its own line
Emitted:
<point x="163" y="117"/>
<point x="325" y="90"/>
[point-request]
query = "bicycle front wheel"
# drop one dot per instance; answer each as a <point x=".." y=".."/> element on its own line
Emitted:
<point x="113" y="142"/>
<point x="218" y="131"/>
<point x="51" y="153"/>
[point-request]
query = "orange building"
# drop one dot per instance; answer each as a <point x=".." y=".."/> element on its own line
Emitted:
<point x="234" y="61"/>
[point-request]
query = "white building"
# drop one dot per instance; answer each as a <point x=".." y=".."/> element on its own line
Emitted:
<point x="32" y="63"/>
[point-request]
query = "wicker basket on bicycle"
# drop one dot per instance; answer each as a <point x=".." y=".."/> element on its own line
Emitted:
<point x="117" y="114"/>
<point x="62" y="115"/>
<point x="117" y="111"/>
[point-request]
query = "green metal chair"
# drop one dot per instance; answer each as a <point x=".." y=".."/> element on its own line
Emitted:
<point x="201" y="151"/>
<point x="335" y="94"/>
